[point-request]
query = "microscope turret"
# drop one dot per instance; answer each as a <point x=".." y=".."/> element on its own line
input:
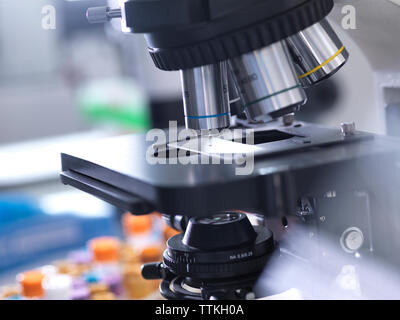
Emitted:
<point x="271" y="50"/>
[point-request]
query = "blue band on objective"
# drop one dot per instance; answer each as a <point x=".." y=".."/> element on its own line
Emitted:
<point x="212" y="116"/>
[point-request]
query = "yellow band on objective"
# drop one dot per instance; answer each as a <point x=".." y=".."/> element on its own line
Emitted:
<point x="322" y="64"/>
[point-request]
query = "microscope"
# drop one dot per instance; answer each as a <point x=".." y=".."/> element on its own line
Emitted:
<point x="244" y="65"/>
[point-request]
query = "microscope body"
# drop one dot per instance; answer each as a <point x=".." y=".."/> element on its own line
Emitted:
<point x="253" y="60"/>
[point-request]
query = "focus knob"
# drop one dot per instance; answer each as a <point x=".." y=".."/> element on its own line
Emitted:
<point x="152" y="271"/>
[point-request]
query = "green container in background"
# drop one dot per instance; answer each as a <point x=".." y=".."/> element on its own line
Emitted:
<point x="119" y="103"/>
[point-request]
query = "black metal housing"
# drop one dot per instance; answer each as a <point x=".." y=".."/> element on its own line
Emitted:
<point x="185" y="34"/>
<point x="231" y="262"/>
<point x="201" y="258"/>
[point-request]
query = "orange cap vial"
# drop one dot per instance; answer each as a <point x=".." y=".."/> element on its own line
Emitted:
<point x="136" y="224"/>
<point x="31" y="284"/>
<point x="151" y="254"/>
<point x="104" y="249"/>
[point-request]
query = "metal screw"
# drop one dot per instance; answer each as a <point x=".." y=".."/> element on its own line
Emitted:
<point x="250" y="296"/>
<point x="102" y="14"/>
<point x="322" y="218"/>
<point x="288" y="119"/>
<point x="348" y="128"/>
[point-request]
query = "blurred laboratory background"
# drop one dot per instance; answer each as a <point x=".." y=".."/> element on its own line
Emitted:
<point x="62" y="89"/>
<point x="69" y="87"/>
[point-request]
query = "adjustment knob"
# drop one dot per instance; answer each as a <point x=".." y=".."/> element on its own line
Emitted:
<point x="352" y="240"/>
<point x="102" y="14"/>
<point x="152" y="271"/>
<point x="348" y="128"/>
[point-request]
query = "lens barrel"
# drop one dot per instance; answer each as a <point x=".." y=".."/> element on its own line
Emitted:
<point x="317" y="52"/>
<point x="267" y="82"/>
<point x="206" y="97"/>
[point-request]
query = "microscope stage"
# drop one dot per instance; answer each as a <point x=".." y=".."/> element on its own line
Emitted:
<point x="117" y="171"/>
